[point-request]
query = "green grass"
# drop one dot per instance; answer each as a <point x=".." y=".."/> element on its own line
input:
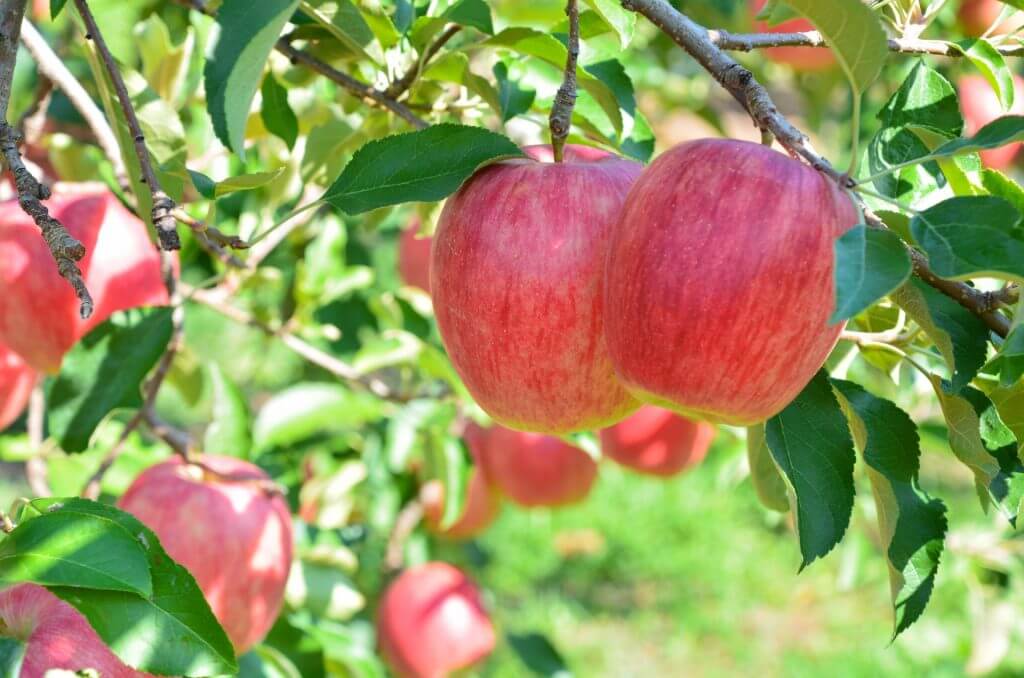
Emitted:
<point x="692" y="577"/>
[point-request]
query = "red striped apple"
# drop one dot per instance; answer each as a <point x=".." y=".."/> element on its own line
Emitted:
<point x="16" y="382"/>
<point x="516" y="279"/>
<point x="799" y="58"/>
<point x="482" y="504"/>
<point x="431" y="623"/>
<point x="39" y="313"/>
<point x="657" y="442"/>
<point x="56" y="635"/>
<point x="720" y="271"/>
<point x="234" y="535"/>
<point x="533" y="469"/>
<point x="981" y="106"/>
<point x="414" y="257"/>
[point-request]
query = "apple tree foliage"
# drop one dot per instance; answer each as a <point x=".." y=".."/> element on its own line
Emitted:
<point x="254" y="141"/>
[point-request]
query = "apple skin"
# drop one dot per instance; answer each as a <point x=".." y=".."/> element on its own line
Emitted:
<point x="16" y="382"/>
<point x="414" y="257"/>
<point x="39" y="316"/>
<point x="657" y="442"/>
<point x="516" y="279"/>
<point x="977" y="15"/>
<point x="981" y="106"/>
<point x="232" y="535"/>
<point x="55" y="634"/>
<point x="798" y="58"/>
<point x="431" y="622"/>
<point x="483" y="501"/>
<point x="720" y="269"/>
<point x="533" y="469"/>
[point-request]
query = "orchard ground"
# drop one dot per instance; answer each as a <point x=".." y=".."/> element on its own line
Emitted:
<point x="618" y="585"/>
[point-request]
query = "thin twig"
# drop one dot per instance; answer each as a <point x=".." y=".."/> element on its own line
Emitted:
<point x="52" y="66"/>
<point x="165" y="224"/>
<point x="560" y="120"/>
<point x="369" y="94"/>
<point x="746" y="42"/>
<point x="402" y="84"/>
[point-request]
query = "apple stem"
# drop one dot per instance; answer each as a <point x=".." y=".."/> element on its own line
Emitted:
<point x="560" y="120"/>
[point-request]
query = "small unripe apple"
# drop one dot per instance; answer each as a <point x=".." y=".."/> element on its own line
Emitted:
<point x="657" y="442"/>
<point x="533" y="469"/>
<point x="799" y="58"/>
<point x="516" y="278"/>
<point x="39" y="312"/>
<point x="981" y="106"/>
<point x="720" y="274"/>
<point x="56" y="635"/>
<point x="431" y="623"/>
<point x="16" y="382"/>
<point x="414" y="257"/>
<point x="228" y="529"/>
<point x="977" y="15"/>
<point x="483" y="501"/>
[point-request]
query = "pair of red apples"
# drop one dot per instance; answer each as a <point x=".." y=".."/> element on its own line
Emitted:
<point x="567" y="294"/>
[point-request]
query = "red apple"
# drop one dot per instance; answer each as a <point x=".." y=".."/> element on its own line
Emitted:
<point x="981" y="106"/>
<point x="657" y="442"/>
<point x="55" y="634"/>
<point x="977" y="15"/>
<point x="234" y="536"/>
<point x="799" y="58"/>
<point x="516" y="280"/>
<point x="414" y="257"/>
<point x="533" y="469"/>
<point x="16" y="382"/>
<point x="39" y="316"/>
<point x="720" y="271"/>
<point x="431" y="623"/>
<point x="482" y="504"/>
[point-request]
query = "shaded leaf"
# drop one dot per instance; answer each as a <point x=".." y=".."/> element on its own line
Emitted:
<point x="229" y="430"/>
<point x="869" y="264"/>
<point x="278" y="117"/>
<point x="764" y="474"/>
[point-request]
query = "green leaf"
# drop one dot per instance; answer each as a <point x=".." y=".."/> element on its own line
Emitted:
<point x="323" y="589"/>
<point x="764" y="474"/>
<point x="960" y="336"/>
<point x="473" y="13"/>
<point x="103" y="372"/>
<point x="234" y="66"/>
<point x="12" y="654"/>
<point x="538" y="655"/>
<point x="1009" y="403"/>
<point x="912" y="525"/>
<point x="869" y="264"/>
<point x="622" y="21"/>
<point x="990" y="63"/>
<point x="547" y="48"/>
<point x="171" y="632"/>
<point x="514" y="100"/>
<point x="264" y="661"/>
<point x="56" y="6"/>
<point x="1000" y="132"/>
<point x="427" y="165"/>
<point x="1002" y="186"/>
<point x="343" y="20"/>
<point x="972" y="236"/>
<point x="75" y="549"/>
<point x="854" y="33"/>
<point x="206" y="186"/>
<point x="278" y="117"/>
<point x="229" y="429"/>
<point x="246" y="182"/>
<point x="164" y="65"/>
<point x="810" y="442"/>
<point x="304" y="410"/>
<point x="1010" y="359"/>
<point x="451" y="463"/>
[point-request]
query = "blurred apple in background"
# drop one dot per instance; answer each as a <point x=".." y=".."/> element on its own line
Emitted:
<point x="533" y="469"/>
<point x="482" y="504"/>
<point x="221" y="522"/>
<point x="431" y="623"/>
<point x="980" y="106"/>
<point x="657" y="442"/>
<point x="977" y="15"/>
<point x="414" y="256"/>
<point x="799" y="58"/>
<point x="16" y="382"/>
